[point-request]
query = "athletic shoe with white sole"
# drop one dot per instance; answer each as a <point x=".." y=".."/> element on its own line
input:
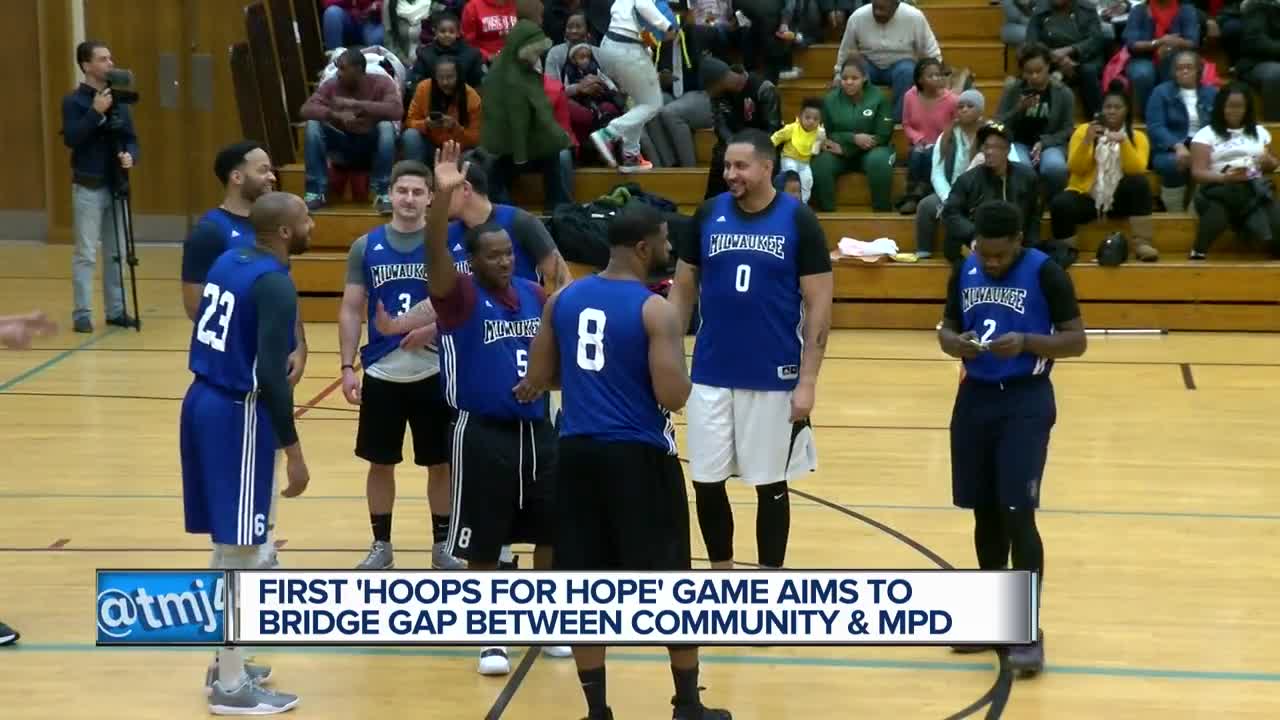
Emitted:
<point x="8" y="635"/>
<point x="494" y="661"/>
<point x="249" y="699"/>
<point x="381" y="557"/>
<point x="557" y="651"/>
<point x="604" y="139"/>
<point x="441" y="560"/>
<point x="257" y="673"/>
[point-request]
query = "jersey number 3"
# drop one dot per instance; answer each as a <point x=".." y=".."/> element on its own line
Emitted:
<point x="591" y="339"/>
<point x="222" y="304"/>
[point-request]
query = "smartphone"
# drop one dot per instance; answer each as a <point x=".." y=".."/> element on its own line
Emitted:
<point x="1097" y="118"/>
<point x="435" y="117"/>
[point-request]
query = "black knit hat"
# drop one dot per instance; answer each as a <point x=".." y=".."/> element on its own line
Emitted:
<point x="712" y="71"/>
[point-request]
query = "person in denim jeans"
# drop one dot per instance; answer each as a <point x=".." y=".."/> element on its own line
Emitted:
<point x="1040" y="114"/>
<point x="103" y="144"/>
<point x="886" y="38"/>
<point x="351" y="119"/>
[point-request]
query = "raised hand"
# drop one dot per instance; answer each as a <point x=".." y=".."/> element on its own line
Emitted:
<point x="449" y="176"/>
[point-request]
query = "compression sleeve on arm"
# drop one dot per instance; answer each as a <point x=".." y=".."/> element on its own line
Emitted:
<point x="812" y="257"/>
<point x="276" y="301"/>
<point x="1059" y="293"/>
<point x="355" y="261"/>
<point x="202" y="247"/>
<point x="952" y="314"/>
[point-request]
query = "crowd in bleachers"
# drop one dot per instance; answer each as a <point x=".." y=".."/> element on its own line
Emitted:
<point x="549" y="88"/>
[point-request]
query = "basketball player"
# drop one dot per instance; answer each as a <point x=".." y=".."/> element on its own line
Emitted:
<point x="503" y="451"/>
<point x="1010" y="313"/>
<point x="237" y="413"/>
<point x="618" y="350"/>
<point x="16" y="333"/>
<point x="758" y="269"/>
<point x="401" y="372"/>
<point x="244" y="169"/>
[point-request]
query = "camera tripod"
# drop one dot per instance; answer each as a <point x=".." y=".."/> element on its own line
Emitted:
<point x="122" y="222"/>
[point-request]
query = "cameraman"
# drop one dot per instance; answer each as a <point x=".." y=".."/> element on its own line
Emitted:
<point x="95" y="128"/>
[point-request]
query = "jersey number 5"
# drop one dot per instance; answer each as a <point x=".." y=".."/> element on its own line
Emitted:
<point x="223" y="303"/>
<point x="591" y="339"/>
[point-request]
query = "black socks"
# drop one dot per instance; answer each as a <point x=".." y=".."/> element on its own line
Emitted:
<point x="381" y="526"/>
<point x="439" y="528"/>
<point x="593" y="687"/>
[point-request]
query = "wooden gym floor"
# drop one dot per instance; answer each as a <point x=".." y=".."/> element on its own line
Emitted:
<point x="1160" y="519"/>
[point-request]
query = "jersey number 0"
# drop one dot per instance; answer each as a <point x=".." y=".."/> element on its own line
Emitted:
<point x="591" y="339"/>
<point x="222" y="303"/>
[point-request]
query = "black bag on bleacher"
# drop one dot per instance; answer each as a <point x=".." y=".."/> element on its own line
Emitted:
<point x="581" y="232"/>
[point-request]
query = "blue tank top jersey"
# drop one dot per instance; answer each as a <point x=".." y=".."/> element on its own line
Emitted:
<point x="749" y="300"/>
<point x="1014" y="303"/>
<point x="604" y="364"/>
<point x="224" y="342"/>
<point x="237" y="230"/>
<point x="397" y="280"/>
<point x="483" y="360"/>
<point x="504" y="215"/>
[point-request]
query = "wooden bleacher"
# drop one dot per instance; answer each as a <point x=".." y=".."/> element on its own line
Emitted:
<point x="1236" y="290"/>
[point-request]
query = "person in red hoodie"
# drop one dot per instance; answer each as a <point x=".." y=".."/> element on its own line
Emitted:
<point x="485" y="24"/>
<point x="352" y="22"/>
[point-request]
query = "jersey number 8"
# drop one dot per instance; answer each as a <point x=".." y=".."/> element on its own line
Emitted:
<point x="591" y="339"/>
<point x="219" y="301"/>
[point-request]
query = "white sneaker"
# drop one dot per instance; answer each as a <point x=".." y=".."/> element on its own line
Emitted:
<point x="792" y="73"/>
<point x="494" y="661"/>
<point x="249" y="699"/>
<point x="259" y="674"/>
<point x="557" y="651"/>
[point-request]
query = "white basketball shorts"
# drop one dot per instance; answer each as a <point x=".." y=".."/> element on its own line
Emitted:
<point x="747" y="433"/>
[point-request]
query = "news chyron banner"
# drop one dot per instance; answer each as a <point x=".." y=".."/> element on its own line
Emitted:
<point x="775" y="608"/>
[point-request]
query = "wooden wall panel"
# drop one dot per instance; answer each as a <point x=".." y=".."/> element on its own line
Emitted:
<point x="58" y="77"/>
<point x="216" y="26"/>
<point x="22" y="142"/>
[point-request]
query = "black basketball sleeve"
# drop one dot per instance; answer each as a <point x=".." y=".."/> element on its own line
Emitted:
<point x="1059" y="293"/>
<point x="952" y="314"/>
<point x="531" y="235"/>
<point x="688" y="246"/>
<point x="276" y="301"/>
<point x="202" y="247"/>
<point x="812" y="258"/>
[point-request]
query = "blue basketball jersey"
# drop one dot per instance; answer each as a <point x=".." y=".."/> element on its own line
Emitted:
<point x="224" y="342"/>
<point x="483" y="360"/>
<point x="503" y="215"/>
<point x="398" y="280"/>
<point x="237" y="230"/>
<point x="604" y="364"/>
<point x="749" y="299"/>
<point x="1013" y="303"/>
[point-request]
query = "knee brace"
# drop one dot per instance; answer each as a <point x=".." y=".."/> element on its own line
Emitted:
<point x="773" y="523"/>
<point x="240" y="557"/>
<point x="715" y="517"/>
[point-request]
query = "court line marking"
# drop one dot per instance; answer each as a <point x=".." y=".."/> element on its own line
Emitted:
<point x="721" y="659"/>
<point x="1152" y="514"/>
<point x="63" y="355"/>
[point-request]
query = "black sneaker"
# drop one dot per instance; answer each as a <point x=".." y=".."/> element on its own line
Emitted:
<point x="1198" y="255"/>
<point x="8" y="635"/>
<point x="513" y="565"/>
<point x="121" y="321"/>
<point x="606" y="714"/>
<point x="83" y="324"/>
<point x="698" y="712"/>
<point x="1027" y="660"/>
<point x="971" y="649"/>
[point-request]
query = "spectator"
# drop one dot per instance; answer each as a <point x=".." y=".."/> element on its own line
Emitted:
<point x="739" y="100"/>
<point x="1231" y="164"/>
<point x="558" y="11"/>
<point x="997" y="178"/>
<point x="767" y="41"/>
<point x="595" y="91"/>
<point x="1157" y="29"/>
<point x="886" y="38"/>
<point x="1224" y="23"/>
<point x="1073" y="33"/>
<point x="800" y="141"/>
<point x="520" y="129"/>
<point x="573" y="32"/>
<point x="1114" y="16"/>
<point x="716" y="16"/>
<point x="485" y="23"/>
<point x="1108" y="161"/>
<point x="446" y="43"/>
<point x="560" y="105"/>
<point x="444" y="108"/>
<point x="1260" y="53"/>
<point x="1040" y="115"/>
<point x="687" y="108"/>
<point x="1017" y="16"/>
<point x="624" y="58"/>
<point x="955" y="153"/>
<point x="927" y="110"/>
<point x="836" y="14"/>
<point x="350" y="117"/>
<point x="1176" y="111"/>
<point x="858" y="119"/>
<point x="793" y="185"/>
<point x="352" y="22"/>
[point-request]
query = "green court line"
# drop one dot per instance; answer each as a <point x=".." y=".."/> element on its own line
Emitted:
<point x="713" y="658"/>
<point x="28" y="374"/>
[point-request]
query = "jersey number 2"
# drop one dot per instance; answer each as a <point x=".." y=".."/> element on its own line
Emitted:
<point x="990" y="325"/>
<point x="223" y="303"/>
<point x="591" y="339"/>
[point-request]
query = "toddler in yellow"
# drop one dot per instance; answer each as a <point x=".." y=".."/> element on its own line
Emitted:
<point x="800" y="141"/>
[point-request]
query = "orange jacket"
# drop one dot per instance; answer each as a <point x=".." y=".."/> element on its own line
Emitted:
<point x="468" y="136"/>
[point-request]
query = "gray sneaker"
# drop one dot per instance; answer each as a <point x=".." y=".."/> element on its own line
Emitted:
<point x="249" y="699"/>
<point x="1027" y="660"/>
<point x="380" y="557"/>
<point x="441" y="560"/>
<point x="259" y="674"/>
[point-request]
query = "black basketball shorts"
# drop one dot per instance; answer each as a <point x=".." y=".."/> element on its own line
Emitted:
<point x="387" y="407"/>
<point x="504" y="476"/>
<point x="621" y="506"/>
<point x="1000" y="441"/>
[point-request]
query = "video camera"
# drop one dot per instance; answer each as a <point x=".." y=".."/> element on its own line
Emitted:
<point x="119" y="81"/>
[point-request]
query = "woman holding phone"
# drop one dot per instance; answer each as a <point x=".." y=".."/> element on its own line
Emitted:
<point x="444" y="108"/>
<point x="1230" y="163"/>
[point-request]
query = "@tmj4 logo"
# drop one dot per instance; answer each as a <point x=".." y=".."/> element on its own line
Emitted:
<point x="160" y="607"/>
